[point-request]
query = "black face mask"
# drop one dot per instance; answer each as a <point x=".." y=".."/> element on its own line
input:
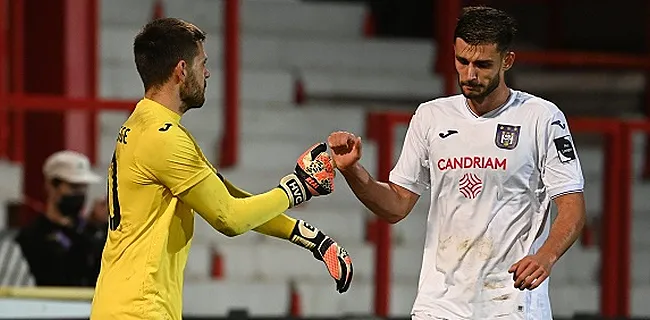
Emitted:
<point x="71" y="205"/>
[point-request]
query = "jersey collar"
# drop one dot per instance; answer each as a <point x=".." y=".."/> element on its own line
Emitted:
<point x="511" y="98"/>
<point x="162" y="109"/>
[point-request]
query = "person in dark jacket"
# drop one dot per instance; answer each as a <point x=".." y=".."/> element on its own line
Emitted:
<point x="59" y="245"/>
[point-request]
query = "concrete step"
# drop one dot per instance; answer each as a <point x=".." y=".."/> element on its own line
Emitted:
<point x="274" y="17"/>
<point x="287" y="18"/>
<point x="317" y="298"/>
<point x="338" y="85"/>
<point x="580" y="81"/>
<point x="273" y="259"/>
<point x="281" y="124"/>
<point x="320" y="299"/>
<point x="218" y="298"/>
<point x="578" y="267"/>
<point x="123" y="82"/>
<point x="378" y="56"/>
<point x="567" y="300"/>
<point x="260" y="120"/>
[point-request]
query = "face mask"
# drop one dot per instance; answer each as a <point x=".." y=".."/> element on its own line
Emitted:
<point x="71" y="205"/>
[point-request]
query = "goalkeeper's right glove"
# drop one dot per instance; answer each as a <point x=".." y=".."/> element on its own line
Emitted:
<point x="313" y="176"/>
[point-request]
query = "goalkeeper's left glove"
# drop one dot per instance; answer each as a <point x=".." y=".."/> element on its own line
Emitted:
<point x="336" y="259"/>
<point x="313" y="176"/>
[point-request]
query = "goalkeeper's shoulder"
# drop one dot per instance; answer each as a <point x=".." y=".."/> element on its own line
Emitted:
<point x="168" y="153"/>
<point x="161" y="139"/>
<point x="163" y="131"/>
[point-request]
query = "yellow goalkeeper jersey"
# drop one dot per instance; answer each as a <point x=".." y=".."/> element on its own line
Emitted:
<point x="150" y="229"/>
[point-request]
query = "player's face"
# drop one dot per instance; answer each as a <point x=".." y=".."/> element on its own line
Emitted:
<point x="193" y="89"/>
<point x="480" y="68"/>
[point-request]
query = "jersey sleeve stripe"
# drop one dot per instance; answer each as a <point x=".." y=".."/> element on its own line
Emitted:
<point x="578" y="190"/>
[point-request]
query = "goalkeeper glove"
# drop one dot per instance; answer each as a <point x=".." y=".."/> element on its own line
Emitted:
<point x="313" y="176"/>
<point x="336" y="259"/>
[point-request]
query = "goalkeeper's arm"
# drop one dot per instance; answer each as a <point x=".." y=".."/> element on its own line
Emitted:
<point x="313" y="176"/>
<point x="306" y="236"/>
<point x="280" y="226"/>
<point x="230" y="215"/>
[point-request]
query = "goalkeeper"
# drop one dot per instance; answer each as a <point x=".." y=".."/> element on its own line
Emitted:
<point x="159" y="177"/>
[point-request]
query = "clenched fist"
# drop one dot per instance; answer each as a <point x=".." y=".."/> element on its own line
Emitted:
<point x="346" y="149"/>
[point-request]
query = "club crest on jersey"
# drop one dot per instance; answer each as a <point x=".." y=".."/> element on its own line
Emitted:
<point x="507" y="136"/>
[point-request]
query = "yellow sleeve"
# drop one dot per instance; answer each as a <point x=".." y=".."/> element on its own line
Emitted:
<point x="280" y="227"/>
<point x="229" y="215"/>
<point x="172" y="158"/>
<point x="233" y="189"/>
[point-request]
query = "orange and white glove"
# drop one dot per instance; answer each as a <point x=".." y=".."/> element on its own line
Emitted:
<point x="336" y="259"/>
<point x="313" y="176"/>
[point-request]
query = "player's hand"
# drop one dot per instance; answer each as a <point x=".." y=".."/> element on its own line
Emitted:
<point x="346" y="149"/>
<point x="531" y="271"/>
<point x="313" y="176"/>
<point x="336" y="259"/>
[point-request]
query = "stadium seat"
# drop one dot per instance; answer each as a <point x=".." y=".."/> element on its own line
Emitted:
<point x="219" y="297"/>
<point x="342" y="85"/>
<point x="123" y="82"/>
<point x="286" y="18"/>
<point x="566" y="300"/>
<point x="320" y="299"/>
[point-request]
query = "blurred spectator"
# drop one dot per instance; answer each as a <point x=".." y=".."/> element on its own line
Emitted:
<point x="59" y="245"/>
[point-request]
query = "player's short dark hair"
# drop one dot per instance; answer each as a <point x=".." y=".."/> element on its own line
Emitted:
<point x="485" y="25"/>
<point x="159" y="47"/>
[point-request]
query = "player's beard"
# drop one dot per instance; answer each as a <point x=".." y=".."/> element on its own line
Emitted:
<point x="192" y="93"/>
<point x="479" y="95"/>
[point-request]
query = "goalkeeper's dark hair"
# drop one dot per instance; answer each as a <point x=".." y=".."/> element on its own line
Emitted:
<point x="160" y="45"/>
<point x="484" y="25"/>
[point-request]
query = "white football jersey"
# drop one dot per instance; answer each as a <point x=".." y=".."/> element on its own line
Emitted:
<point x="492" y="179"/>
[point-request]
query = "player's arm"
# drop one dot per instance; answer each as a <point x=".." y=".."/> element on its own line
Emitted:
<point x="566" y="228"/>
<point x="171" y="158"/>
<point x="387" y="200"/>
<point x="392" y="200"/>
<point x="562" y="176"/>
<point x="303" y="234"/>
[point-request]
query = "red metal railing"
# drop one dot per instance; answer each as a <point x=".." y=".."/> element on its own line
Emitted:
<point x="615" y="247"/>
<point x="626" y="173"/>
<point x="231" y="43"/>
<point x="14" y="103"/>
<point x="380" y="127"/>
<point x="4" y="54"/>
